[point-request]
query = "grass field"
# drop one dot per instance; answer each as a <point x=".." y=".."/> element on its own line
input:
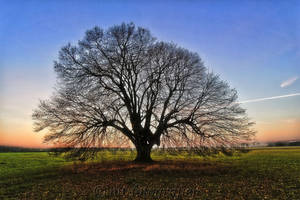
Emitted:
<point x="266" y="173"/>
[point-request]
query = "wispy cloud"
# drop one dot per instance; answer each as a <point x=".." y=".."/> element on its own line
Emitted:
<point x="270" y="98"/>
<point x="288" y="82"/>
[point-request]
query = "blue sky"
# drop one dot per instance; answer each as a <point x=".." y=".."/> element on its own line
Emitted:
<point x="254" y="45"/>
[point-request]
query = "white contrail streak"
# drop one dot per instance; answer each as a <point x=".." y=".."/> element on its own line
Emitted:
<point x="269" y="98"/>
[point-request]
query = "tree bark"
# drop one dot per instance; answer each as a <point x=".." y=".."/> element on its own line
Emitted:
<point x="143" y="153"/>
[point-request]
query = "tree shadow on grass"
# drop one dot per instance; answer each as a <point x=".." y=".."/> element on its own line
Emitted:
<point x="176" y="168"/>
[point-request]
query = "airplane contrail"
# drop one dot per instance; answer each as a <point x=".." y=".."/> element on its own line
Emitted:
<point x="269" y="98"/>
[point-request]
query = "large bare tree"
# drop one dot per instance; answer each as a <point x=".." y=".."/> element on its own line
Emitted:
<point x="123" y="85"/>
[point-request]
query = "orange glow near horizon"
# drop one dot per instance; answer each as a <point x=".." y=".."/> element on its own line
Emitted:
<point x="22" y="140"/>
<point x="278" y="130"/>
<point x="28" y="139"/>
<point x="21" y="135"/>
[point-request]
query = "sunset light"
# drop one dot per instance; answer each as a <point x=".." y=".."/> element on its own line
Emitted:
<point x="172" y="99"/>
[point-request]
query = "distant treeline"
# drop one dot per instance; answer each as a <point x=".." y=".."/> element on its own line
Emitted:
<point x="171" y="150"/>
<point x="59" y="149"/>
<point x="203" y="149"/>
<point x="21" y="149"/>
<point x="284" y="143"/>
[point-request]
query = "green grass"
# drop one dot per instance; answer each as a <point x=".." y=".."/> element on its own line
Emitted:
<point x="262" y="173"/>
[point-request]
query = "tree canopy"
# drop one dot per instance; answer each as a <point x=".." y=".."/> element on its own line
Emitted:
<point x="122" y="86"/>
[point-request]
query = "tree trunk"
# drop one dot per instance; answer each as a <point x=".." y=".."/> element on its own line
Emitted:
<point x="143" y="153"/>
